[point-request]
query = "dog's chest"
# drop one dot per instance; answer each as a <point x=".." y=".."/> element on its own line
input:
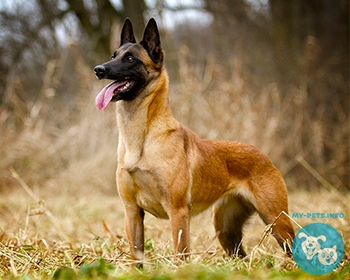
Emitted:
<point x="148" y="192"/>
<point x="151" y="167"/>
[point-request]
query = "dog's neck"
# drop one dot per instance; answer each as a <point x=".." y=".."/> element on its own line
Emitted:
<point x="149" y="106"/>
<point x="149" y="111"/>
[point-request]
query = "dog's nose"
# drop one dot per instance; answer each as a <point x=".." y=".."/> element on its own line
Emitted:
<point x="99" y="71"/>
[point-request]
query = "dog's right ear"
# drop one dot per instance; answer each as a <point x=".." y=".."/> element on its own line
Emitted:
<point x="127" y="35"/>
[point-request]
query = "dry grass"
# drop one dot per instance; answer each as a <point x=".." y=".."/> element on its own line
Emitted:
<point x="59" y="206"/>
<point x="45" y="231"/>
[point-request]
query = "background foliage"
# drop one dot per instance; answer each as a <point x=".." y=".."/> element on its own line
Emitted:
<point x="271" y="73"/>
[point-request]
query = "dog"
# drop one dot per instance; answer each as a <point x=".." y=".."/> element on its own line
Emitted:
<point x="310" y="245"/>
<point x="166" y="170"/>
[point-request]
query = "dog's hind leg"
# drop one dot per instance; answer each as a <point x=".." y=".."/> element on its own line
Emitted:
<point x="230" y="214"/>
<point x="282" y="228"/>
<point x="270" y="204"/>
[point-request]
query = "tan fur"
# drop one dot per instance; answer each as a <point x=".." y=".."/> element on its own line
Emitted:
<point x="169" y="172"/>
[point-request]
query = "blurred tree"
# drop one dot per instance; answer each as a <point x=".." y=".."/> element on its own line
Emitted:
<point x="32" y="29"/>
<point x="293" y="22"/>
<point x="302" y="45"/>
<point x="98" y="18"/>
<point x="311" y="41"/>
<point x="281" y="29"/>
<point x="242" y="31"/>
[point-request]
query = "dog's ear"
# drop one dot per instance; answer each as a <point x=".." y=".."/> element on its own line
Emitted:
<point x="127" y="35"/>
<point x="302" y="234"/>
<point x="151" y="41"/>
<point x="321" y="237"/>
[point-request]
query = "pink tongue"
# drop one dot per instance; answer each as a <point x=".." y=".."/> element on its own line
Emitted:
<point x="106" y="94"/>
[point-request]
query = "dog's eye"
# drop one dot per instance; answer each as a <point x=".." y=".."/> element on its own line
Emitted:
<point x="113" y="56"/>
<point x="129" y="58"/>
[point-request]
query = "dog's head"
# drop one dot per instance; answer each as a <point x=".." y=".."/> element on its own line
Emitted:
<point x="132" y="67"/>
<point x="310" y="245"/>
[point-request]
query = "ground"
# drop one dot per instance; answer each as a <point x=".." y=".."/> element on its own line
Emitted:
<point x="55" y="231"/>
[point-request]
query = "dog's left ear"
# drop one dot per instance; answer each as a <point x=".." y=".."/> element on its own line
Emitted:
<point x="151" y="41"/>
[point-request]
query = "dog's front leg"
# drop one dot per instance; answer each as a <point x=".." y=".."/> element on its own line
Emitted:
<point x="134" y="216"/>
<point x="180" y="227"/>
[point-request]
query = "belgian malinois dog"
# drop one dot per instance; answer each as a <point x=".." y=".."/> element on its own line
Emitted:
<point x="168" y="171"/>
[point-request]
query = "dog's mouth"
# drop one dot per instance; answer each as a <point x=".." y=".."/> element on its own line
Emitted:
<point x="114" y="92"/>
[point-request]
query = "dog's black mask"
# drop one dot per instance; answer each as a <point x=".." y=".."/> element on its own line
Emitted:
<point x="128" y="68"/>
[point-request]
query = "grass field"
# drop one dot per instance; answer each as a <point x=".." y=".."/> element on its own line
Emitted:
<point x="67" y="232"/>
<point x="60" y="216"/>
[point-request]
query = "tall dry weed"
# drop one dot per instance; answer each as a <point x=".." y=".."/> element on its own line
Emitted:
<point x="45" y="140"/>
<point x="62" y="136"/>
<point x="58" y="160"/>
<point x="225" y="105"/>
